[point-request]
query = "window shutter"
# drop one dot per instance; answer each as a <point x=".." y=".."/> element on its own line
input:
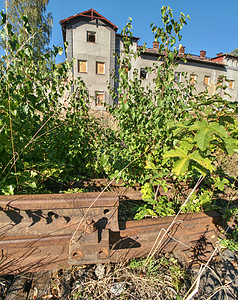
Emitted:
<point x="82" y="66"/>
<point x="100" y="68"/>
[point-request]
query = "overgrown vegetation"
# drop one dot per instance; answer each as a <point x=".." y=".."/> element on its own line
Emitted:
<point x="45" y="130"/>
<point x="165" y="134"/>
<point x="168" y="130"/>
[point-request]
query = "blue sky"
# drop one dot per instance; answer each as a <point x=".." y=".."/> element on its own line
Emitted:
<point x="213" y="26"/>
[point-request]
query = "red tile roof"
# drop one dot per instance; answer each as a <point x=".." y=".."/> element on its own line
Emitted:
<point x="220" y="57"/>
<point x="189" y="57"/>
<point x="90" y="13"/>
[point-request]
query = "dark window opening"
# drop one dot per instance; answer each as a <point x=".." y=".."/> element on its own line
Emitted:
<point x="91" y="37"/>
<point x="143" y="73"/>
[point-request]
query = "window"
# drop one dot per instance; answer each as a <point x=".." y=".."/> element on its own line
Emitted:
<point x="206" y="80"/>
<point x="82" y="66"/>
<point x="91" y="36"/>
<point x="99" y="99"/>
<point x="231" y="84"/>
<point x="193" y="79"/>
<point x="177" y="76"/>
<point x="143" y="73"/>
<point x="100" y="67"/>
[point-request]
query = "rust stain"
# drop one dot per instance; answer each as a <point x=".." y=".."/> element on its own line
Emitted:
<point x="36" y="232"/>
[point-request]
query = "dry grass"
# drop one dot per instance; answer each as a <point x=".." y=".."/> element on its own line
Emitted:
<point x="162" y="279"/>
<point x="105" y="119"/>
<point x="229" y="164"/>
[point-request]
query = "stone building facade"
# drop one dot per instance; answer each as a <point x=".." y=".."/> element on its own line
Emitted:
<point x="92" y="41"/>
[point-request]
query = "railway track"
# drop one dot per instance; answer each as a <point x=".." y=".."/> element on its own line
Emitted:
<point x="43" y="232"/>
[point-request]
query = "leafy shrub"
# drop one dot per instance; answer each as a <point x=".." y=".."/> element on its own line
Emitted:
<point x="167" y="130"/>
<point x="45" y="128"/>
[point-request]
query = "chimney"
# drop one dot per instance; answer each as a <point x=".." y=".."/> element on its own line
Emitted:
<point x="181" y="50"/>
<point x="155" y="45"/>
<point x="219" y="54"/>
<point x="203" y="54"/>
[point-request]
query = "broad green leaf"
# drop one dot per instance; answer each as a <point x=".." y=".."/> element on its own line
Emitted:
<point x="202" y="138"/>
<point x="177" y="152"/>
<point x="170" y="77"/>
<point x="218" y="129"/>
<point x="181" y="166"/>
<point x="231" y="146"/>
<point x="198" y="125"/>
<point x="186" y="145"/>
<point x="205" y="162"/>
<point x="33" y="174"/>
<point x="206" y="131"/>
<point x="27" y="52"/>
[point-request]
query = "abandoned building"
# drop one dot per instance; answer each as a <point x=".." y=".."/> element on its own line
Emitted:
<point x="92" y="40"/>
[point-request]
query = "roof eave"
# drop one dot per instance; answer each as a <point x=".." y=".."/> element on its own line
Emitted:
<point x="186" y="56"/>
<point x="92" y="16"/>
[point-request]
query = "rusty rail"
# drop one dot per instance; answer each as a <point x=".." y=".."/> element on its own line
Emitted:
<point x="36" y="232"/>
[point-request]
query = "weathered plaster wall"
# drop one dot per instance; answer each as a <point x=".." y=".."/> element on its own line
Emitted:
<point x="107" y="42"/>
<point x="100" y="51"/>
